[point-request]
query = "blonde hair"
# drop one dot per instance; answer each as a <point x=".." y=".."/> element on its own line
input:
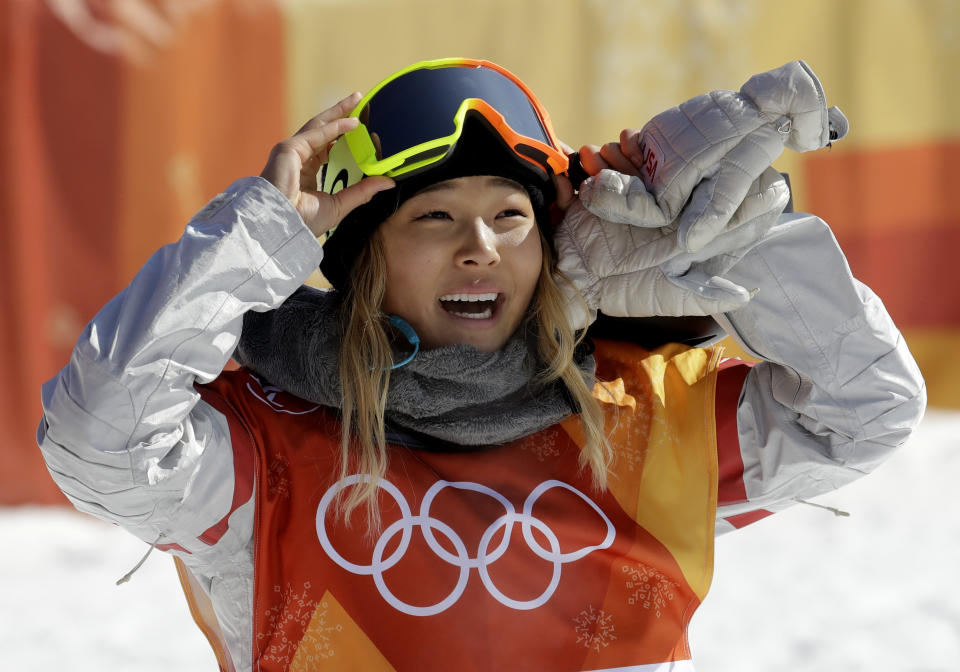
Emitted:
<point x="366" y="357"/>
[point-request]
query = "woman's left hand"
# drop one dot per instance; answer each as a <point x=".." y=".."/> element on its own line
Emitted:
<point x="683" y="199"/>
<point x="594" y="158"/>
<point x="621" y="156"/>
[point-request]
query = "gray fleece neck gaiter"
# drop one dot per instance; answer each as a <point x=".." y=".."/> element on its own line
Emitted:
<point x="455" y="393"/>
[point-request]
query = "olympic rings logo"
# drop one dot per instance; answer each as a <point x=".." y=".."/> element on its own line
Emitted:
<point x="481" y="561"/>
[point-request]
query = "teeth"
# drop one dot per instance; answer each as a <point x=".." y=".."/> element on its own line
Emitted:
<point x="488" y="313"/>
<point x="469" y="297"/>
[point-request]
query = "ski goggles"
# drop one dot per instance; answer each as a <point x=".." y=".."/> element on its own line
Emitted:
<point x="413" y="119"/>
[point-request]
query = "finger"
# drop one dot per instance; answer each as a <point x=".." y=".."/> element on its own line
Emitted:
<point x="630" y="146"/>
<point x="565" y="192"/>
<point x="702" y="294"/>
<point x="340" y="109"/>
<point x="616" y="197"/>
<point x="567" y="149"/>
<point x="352" y="197"/>
<point x="315" y="141"/>
<point x="591" y="160"/>
<point x="614" y="157"/>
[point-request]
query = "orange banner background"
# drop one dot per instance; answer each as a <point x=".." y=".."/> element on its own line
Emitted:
<point x="119" y="118"/>
<point x="115" y="130"/>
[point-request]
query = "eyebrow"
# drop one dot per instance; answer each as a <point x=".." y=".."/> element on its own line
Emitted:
<point x="494" y="180"/>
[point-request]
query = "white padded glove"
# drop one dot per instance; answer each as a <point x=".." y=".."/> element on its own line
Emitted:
<point x="659" y="246"/>
<point x="701" y="157"/>
<point x="636" y="271"/>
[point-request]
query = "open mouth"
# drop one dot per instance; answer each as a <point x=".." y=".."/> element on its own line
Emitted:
<point x="471" y="306"/>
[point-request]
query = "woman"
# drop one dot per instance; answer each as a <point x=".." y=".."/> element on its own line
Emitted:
<point x="415" y="471"/>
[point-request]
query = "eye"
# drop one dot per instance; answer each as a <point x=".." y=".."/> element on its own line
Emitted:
<point x="433" y="214"/>
<point x="512" y="212"/>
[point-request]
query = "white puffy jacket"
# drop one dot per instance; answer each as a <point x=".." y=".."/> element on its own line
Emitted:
<point x="128" y="439"/>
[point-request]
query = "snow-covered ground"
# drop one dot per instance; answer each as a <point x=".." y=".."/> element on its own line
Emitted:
<point x="803" y="591"/>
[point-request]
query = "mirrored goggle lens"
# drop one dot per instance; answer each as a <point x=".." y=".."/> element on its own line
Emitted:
<point x="420" y="106"/>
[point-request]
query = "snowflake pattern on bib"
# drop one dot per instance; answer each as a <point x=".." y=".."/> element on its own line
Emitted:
<point x="278" y="481"/>
<point x="317" y="643"/>
<point x="290" y="607"/>
<point x="594" y="628"/>
<point x="542" y="445"/>
<point x="651" y="589"/>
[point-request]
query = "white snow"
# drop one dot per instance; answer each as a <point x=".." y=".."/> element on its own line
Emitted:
<point x="802" y="591"/>
<point x="806" y="591"/>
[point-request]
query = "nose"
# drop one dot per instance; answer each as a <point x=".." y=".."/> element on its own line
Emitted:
<point x="479" y="246"/>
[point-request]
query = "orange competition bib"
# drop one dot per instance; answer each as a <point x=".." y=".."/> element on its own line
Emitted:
<point x="492" y="559"/>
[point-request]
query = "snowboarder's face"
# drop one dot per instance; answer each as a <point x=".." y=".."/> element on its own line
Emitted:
<point x="463" y="257"/>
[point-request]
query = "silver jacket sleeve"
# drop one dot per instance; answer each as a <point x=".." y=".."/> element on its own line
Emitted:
<point x="838" y="390"/>
<point x="124" y="432"/>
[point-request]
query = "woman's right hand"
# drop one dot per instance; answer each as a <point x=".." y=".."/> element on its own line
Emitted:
<point x="294" y="164"/>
